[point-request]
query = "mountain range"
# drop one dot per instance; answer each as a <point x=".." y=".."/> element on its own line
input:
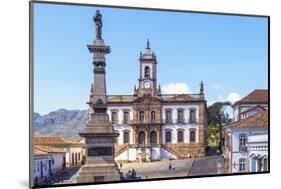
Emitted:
<point x="62" y="122"/>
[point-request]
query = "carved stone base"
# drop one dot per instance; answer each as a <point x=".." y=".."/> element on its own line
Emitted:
<point x="98" y="173"/>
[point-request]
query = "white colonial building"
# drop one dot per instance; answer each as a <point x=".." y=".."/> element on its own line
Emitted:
<point x="74" y="151"/>
<point x="152" y="125"/>
<point x="246" y="139"/>
<point x="47" y="161"/>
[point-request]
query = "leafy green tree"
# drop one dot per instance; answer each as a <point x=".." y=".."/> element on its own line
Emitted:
<point x="217" y="118"/>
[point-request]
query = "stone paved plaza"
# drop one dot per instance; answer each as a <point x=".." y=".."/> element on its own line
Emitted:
<point x="160" y="169"/>
<point x="187" y="167"/>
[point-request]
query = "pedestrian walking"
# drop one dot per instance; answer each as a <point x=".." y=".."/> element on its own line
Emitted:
<point x="170" y="167"/>
<point x="174" y="168"/>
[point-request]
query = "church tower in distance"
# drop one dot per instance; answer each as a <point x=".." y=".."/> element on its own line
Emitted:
<point x="148" y="73"/>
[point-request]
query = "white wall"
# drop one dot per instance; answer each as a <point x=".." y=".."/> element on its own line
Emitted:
<point x="37" y="166"/>
<point x="253" y="135"/>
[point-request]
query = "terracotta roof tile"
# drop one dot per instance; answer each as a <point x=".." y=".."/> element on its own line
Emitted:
<point x="256" y="96"/>
<point x="259" y="120"/>
<point x="53" y="140"/>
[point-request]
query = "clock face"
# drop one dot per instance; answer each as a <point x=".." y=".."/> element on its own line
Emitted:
<point x="147" y="84"/>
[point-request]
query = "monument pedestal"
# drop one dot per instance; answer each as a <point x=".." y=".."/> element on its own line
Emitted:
<point x="100" y="165"/>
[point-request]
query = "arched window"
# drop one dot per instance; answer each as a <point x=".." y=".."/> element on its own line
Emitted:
<point x="168" y="116"/>
<point x="125" y="117"/>
<point x="114" y="117"/>
<point x="192" y="116"/>
<point x="242" y="165"/>
<point x="192" y="135"/>
<point x="141" y="116"/>
<point x="146" y="72"/>
<point x="141" y="137"/>
<point x="168" y="136"/>
<point x="180" y="135"/>
<point x="126" y="137"/>
<point x="180" y="116"/>
<point x="153" y="137"/>
<point x="153" y="116"/>
<point x="253" y="164"/>
<point x="265" y="164"/>
<point x="242" y="142"/>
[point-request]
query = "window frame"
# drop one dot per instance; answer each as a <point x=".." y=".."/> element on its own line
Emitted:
<point x="114" y="121"/>
<point x="192" y="131"/>
<point x="126" y="112"/>
<point x="182" y="135"/>
<point x="126" y="137"/>
<point x="170" y="136"/>
<point x="180" y="115"/>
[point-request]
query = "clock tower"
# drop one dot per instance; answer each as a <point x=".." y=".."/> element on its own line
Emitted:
<point x="148" y="73"/>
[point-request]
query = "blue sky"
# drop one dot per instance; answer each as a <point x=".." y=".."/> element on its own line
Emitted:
<point x="228" y="53"/>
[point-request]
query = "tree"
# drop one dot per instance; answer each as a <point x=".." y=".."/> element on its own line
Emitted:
<point x="217" y="117"/>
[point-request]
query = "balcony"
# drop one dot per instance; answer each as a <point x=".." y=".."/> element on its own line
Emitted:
<point x="145" y="122"/>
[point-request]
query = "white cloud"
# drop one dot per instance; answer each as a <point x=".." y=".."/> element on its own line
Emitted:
<point x="217" y="86"/>
<point x="175" y="88"/>
<point x="233" y="97"/>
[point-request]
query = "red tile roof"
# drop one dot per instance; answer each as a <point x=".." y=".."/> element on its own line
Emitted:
<point x="258" y="120"/>
<point x="45" y="150"/>
<point x="256" y="96"/>
<point x="53" y="140"/>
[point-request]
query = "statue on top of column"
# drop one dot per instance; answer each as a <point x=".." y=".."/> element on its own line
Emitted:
<point x="98" y="22"/>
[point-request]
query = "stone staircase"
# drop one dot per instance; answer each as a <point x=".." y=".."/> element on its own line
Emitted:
<point x="120" y="149"/>
<point x="183" y="151"/>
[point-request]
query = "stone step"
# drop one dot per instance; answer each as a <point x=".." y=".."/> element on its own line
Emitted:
<point x="98" y="168"/>
<point x="98" y="173"/>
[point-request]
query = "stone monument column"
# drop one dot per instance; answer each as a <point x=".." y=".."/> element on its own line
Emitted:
<point x="99" y="134"/>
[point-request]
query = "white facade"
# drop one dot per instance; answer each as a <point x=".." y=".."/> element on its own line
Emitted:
<point x="255" y="146"/>
<point x="132" y="153"/>
<point x="44" y="165"/>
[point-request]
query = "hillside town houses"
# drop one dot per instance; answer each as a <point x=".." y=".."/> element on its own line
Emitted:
<point x="246" y="139"/>
<point x="53" y="154"/>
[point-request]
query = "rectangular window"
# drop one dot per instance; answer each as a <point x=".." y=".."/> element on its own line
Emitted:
<point x="242" y="142"/>
<point x="126" y="117"/>
<point x="192" y="136"/>
<point x="180" y="136"/>
<point x="192" y="116"/>
<point x="180" y="116"/>
<point x="242" y="165"/>
<point x="114" y="117"/>
<point x="168" y="116"/>
<point x="126" y="138"/>
<point x="168" y="136"/>
<point x="141" y="116"/>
